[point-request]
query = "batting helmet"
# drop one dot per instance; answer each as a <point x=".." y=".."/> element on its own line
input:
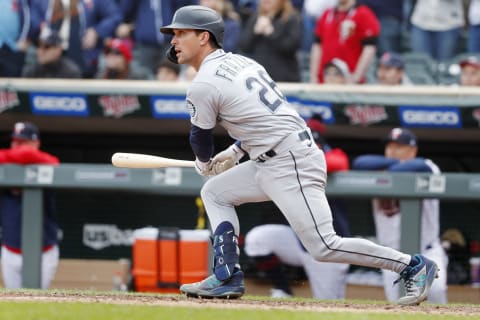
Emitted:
<point x="198" y="18"/>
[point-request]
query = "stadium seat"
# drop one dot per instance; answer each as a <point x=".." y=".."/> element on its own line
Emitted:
<point x="420" y="68"/>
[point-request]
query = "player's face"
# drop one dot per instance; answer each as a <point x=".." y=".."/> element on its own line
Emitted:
<point x="187" y="43"/>
<point x="389" y="75"/>
<point x="400" y="151"/>
<point x="470" y="76"/>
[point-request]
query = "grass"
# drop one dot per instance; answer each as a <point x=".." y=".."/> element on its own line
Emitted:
<point x="99" y="309"/>
<point x="92" y="311"/>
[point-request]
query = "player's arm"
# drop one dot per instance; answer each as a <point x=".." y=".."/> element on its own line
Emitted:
<point x="373" y="162"/>
<point x="414" y="165"/>
<point x="201" y="141"/>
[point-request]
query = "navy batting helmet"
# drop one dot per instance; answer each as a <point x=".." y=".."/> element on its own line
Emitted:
<point x="198" y="18"/>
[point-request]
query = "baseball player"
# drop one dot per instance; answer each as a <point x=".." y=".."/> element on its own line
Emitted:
<point x="25" y="150"/>
<point x="285" y="165"/>
<point x="401" y="156"/>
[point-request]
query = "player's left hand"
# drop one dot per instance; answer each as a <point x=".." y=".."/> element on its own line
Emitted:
<point x="204" y="168"/>
<point x="219" y="167"/>
<point x="232" y="153"/>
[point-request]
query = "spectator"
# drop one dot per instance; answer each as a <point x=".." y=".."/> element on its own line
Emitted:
<point x="117" y="56"/>
<point x="24" y="150"/>
<point x="168" y="71"/>
<point x="51" y="63"/>
<point x="83" y="25"/>
<point x="348" y="32"/>
<point x="401" y="156"/>
<point x="436" y="28"/>
<point x="473" y="39"/>
<point x="336" y="72"/>
<point x="390" y="16"/>
<point x="470" y="75"/>
<point x="390" y="69"/>
<point x="14" y="33"/>
<point x="233" y="26"/>
<point x="272" y="37"/>
<point x="142" y="20"/>
<point x="272" y="245"/>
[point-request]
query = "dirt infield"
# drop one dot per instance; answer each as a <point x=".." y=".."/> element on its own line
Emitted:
<point x="246" y="302"/>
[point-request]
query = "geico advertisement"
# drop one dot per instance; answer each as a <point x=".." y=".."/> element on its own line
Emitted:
<point x="60" y="104"/>
<point x="445" y="117"/>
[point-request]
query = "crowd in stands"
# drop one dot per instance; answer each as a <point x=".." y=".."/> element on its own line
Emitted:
<point x="293" y="39"/>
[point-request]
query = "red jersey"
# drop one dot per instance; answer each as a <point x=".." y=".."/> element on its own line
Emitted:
<point x="25" y="155"/>
<point x="342" y="34"/>
<point x="337" y="160"/>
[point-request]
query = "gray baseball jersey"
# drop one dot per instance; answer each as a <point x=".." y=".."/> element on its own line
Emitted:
<point x="238" y="94"/>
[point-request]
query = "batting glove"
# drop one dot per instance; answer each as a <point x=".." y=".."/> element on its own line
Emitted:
<point x="204" y="168"/>
<point x="232" y="153"/>
<point x="227" y="158"/>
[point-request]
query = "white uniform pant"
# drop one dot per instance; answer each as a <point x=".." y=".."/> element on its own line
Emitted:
<point x="327" y="280"/>
<point x="12" y="267"/>
<point x="295" y="180"/>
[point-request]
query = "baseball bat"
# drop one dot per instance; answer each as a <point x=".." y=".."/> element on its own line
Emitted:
<point x="138" y="160"/>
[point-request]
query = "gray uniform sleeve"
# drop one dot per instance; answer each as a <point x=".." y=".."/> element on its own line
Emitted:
<point x="203" y="103"/>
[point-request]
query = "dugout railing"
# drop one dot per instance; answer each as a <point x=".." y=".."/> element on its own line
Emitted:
<point x="410" y="188"/>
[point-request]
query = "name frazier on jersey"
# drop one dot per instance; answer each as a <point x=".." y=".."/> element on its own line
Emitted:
<point x="230" y="67"/>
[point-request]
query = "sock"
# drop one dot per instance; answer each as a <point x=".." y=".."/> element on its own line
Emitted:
<point x="414" y="261"/>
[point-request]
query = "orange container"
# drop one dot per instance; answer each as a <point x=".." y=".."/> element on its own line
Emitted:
<point x="165" y="258"/>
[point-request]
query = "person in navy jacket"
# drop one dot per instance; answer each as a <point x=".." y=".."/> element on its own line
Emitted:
<point x="25" y="150"/>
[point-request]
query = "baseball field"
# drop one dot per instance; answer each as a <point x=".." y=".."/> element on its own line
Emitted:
<point x="66" y="305"/>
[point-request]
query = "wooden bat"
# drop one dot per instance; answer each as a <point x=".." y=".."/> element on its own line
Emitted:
<point x="138" y="160"/>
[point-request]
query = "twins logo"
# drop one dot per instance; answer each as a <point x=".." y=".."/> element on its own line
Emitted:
<point x="8" y="100"/>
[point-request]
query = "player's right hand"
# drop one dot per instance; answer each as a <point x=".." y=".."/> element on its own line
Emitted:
<point x="204" y="168"/>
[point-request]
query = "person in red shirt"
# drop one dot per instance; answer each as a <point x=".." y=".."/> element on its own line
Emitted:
<point x="348" y="32"/>
<point x="24" y="150"/>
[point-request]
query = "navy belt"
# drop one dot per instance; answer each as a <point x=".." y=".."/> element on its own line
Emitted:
<point x="302" y="136"/>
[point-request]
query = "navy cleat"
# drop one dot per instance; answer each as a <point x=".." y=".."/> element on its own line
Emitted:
<point x="211" y="287"/>
<point x="418" y="280"/>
